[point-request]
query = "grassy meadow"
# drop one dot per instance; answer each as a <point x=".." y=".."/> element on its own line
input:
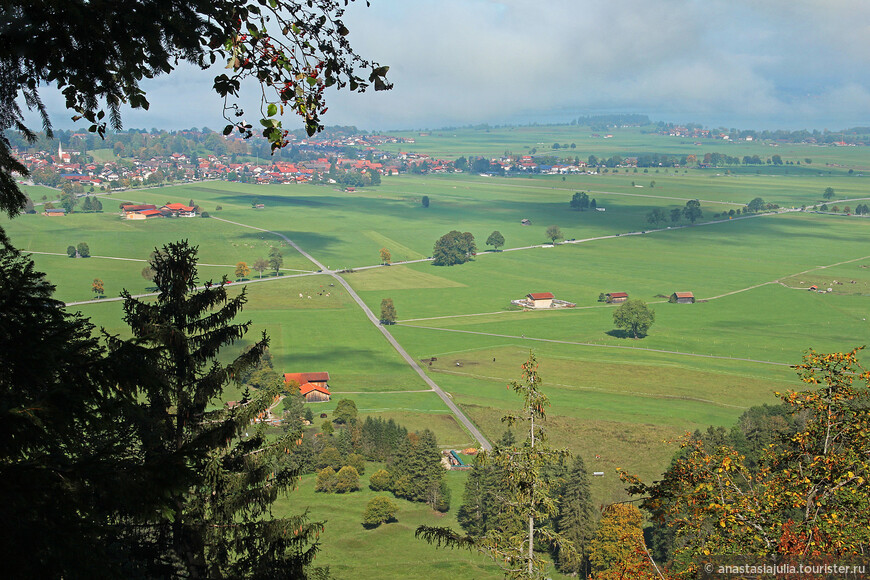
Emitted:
<point x="619" y="401"/>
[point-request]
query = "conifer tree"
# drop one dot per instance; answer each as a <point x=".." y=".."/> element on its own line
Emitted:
<point x="66" y="472"/>
<point x="219" y="485"/>
<point x="525" y="492"/>
<point x="577" y="518"/>
<point x="417" y="472"/>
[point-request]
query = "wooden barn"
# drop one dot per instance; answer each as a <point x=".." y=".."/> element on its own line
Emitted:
<point x="616" y="297"/>
<point x="682" y="298"/>
<point x="541" y="299"/>
<point x="313" y="386"/>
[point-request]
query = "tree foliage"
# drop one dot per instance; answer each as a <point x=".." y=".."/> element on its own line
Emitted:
<point x="495" y="239"/>
<point x="276" y="259"/>
<point x="617" y="549"/>
<point x="808" y="496"/>
<point x="260" y="266"/>
<point x="380" y="480"/>
<point x="388" y="311"/>
<point x="657" y="217"/>
<point x="242" y="270"/>
<point x="379" y="510"/>
<point x="386" y="257"/>
<point x="634" y="316"/>
<point x="577" y="518"/>
<point x="417" y="474"/>
<point x="453" y="248"/>
<point x="524" y="491"/>
<point x="218" y="484"/>
<point x="346" y="480"/>
<point x="579" y="201"/>
<point x="692" y="210"/>
<point x="345" y="411"/>
<point x="66" y="471"/>
<point x="554" y="234"/>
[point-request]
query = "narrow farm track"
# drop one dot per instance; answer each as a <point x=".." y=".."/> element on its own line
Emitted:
<point x="144" y="260"/>
<point x="522" y="186"/>
<point x="457" y="412"/>
<point x="552" y="340"/>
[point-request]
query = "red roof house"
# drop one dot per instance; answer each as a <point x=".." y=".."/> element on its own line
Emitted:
<point x="616" y="296"/>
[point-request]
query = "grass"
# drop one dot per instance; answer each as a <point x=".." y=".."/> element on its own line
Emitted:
<point x="390" y="550"/>
<point x="619" y="402"/>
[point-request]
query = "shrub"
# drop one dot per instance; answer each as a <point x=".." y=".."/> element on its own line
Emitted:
<point x="346" y="480"/>
<point x="204" y="214"/>
<point x="380" y="480"/>
<point x="357" y="461"/>
<point x="379" y="510"/>
<point x="325" y="480"/>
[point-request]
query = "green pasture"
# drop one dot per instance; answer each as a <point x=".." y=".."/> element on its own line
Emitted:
<point x="615" y="399"/>
<point x="627" y="142"/>
<point x="390" y="550"/>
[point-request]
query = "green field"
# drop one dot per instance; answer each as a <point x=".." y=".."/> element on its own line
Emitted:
<point x="618" y="401"/>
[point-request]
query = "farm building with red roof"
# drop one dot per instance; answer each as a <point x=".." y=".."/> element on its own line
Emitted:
<point x="313" y="386"/>
<point x="682" y="298"/>
<point x="541" y="299"/>
<point x="616" y="297"/>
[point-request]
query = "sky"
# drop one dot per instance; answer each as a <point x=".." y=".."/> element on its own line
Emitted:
<point x="734" y="63"/>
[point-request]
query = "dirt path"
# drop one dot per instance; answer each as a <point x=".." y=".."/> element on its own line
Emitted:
<point x="552" y="340"/>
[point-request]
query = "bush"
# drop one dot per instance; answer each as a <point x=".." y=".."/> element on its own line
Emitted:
<point x="346" y="480"/>
<point x="204" y="214"/>
<point x="325" y="480"/>
<point x="330" y="457"/>
<point x="380" y="480"/>
<point x="378" y="511"/>
<point x="357" y="461"/>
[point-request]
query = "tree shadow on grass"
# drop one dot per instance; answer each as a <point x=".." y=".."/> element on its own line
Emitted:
<point x="619" y="333"/>
<point x="373" y="526"/>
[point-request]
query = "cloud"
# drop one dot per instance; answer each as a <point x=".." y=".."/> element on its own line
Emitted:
<point x="772" y="63"/>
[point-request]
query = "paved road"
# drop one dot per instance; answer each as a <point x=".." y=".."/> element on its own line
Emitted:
<point x="472" y="428"/>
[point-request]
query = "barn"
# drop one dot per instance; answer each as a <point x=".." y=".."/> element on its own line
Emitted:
<point x="313" y="386"/>
<point x="541" y="299"/>
<point x="616" y="297"/>
<point x="314" y="393"/>
<point x="682" y="298"/>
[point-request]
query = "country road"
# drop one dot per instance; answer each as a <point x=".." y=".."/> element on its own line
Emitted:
<point x="457" y="412"/>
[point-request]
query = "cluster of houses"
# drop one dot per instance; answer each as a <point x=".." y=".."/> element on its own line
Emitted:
<point x="547" y="300"/>
<point x="147" y="211"/>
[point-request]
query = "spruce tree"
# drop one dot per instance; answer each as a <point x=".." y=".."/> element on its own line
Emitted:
<point x="219" y="484"/>
<point x="577" y="518"/>
<point x="67" y="474"/>
<point x="417" y="471"/>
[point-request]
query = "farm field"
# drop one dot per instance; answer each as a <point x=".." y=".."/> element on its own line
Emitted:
<point x="618" y="401"/>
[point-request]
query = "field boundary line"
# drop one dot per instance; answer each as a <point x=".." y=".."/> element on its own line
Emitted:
<point x="598" y="389"/>
<point x="144" y="260"/>
<point x="334" y="392"/>
<point x="592" y="344"/>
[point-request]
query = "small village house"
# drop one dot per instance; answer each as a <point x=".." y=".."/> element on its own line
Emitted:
<point x="616" y="297"/>
<point x="313" y="386"/>
<point x="541" y="299"/>
<point x="682" y="298"/>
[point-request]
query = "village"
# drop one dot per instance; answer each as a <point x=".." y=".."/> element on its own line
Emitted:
<point x="354" y="160"/>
